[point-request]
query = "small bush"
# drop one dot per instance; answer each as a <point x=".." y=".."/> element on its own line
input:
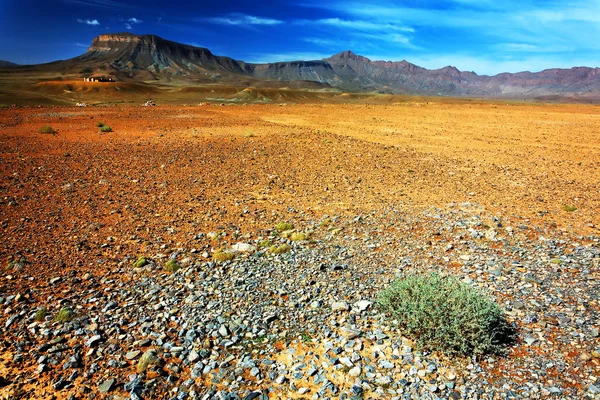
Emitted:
<point x="172" y="266"/>
<point x="222" y="256"/>
<point x="100" y="124"/>
<point x="105" y="128"/>
<point x="140" y="262"/>
<point x="441" y="313"/>
<point x="298" y="236"/>
<point x="65" y="315"/>
<point x="284" y="226"/>
<point x="40" y="314"/>
<point x="17" y="264"/>
<point x="284" y="248"/>
<point x="569" y="208"/>
<point x="48" y="130"/>
<point x="265" y="243"/>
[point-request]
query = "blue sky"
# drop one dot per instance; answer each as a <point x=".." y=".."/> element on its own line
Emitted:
<point x="485" y="36"/>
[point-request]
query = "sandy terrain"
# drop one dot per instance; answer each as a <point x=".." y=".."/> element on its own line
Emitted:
<point x="85" y="202"/>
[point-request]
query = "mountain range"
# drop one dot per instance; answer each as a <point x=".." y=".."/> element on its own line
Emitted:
<point x="143" y="58"/>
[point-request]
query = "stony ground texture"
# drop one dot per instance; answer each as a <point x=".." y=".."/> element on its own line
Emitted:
<point x="505" y="197"/>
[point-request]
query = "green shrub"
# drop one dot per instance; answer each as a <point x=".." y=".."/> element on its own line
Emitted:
<point x="105" y="128"/>
<point x="17" y="264"/>
<point x="222" y="256"/>
<point x="569" y="208"/>
<point x="100" y="124"/>
<point x="442" y="313"/>
<point x="172" y="266"/>
<point x="47" y="130"/>
<point x="298" y="236"/>
<point x="40" y="314"/>
<point x="140" y="262"/>
<point x="265" y="243"/>
<point x="65" y="315"/>
<point x="284" y="248"/>
<point x="284" y="226"/>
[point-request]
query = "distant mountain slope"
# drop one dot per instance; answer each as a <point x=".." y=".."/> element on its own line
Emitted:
<point x="129" y="57"/>
<point x="7" y="64"/>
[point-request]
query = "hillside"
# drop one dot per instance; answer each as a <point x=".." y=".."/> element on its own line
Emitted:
<point x="125" y="57"/>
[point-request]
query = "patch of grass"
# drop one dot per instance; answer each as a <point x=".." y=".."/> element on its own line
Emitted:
<point x="65" y="315"/>
<point x="140" y="262"/>
<point x="284" y="248"/>
<point x="298" y="236"/>
<point x="105" y="128"/>
<point x="442" y="313"/>
<point x="172" y="266"/>
<point x="569" y="208"/>
<point x="265" y="243"/>
<point x="100" y="124"/>
<point x="556" y="261"/>
<point x="48" y="130"/>
<point x="17" y="264"/>
<point x="284" y="226"/>
<point x="222" y="256"/>
<point x="326" y="222"/>
<point x="40" y="314"/>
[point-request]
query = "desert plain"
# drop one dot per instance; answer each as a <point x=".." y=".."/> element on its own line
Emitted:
<point x="503" y="195"/>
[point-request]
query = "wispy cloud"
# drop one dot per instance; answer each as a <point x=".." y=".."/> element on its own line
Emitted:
<point x="88" y="21"/>
<point x="134" y="20"/>
<point x="281" y="57"/>
<point x="362" y="25"/>
<point x="243" y="20"/>
<point x="376" y="32"/>
<point x="128" y="25"/>
<point x="100" y="3"/>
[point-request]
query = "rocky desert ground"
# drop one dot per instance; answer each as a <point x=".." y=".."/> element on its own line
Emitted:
<point x="151" y="261"/>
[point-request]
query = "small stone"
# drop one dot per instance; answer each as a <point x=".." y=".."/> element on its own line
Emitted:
<point x="106" y="386"/>
<point x="94" y="340"/>
<point x="132" y="354"/>
<point x="193" y="356"/>
<point x="362" y="305"/>
<point x="355" y="372"/>
<point x="223" y="331"/>
<point x="350" y="333"/>
<point x="243" y="248"/>
<point x="339" y="306"/>
<point x="530" y="340"/>
<point x="55" y="280"/>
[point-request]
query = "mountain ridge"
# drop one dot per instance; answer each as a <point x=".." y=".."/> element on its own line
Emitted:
<point x="130" y="57"/>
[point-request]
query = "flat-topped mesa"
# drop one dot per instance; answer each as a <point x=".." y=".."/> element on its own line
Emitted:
<point x="112" y="42"/>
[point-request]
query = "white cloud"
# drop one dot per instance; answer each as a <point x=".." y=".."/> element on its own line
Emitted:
<point x="362" y="25"/>
<point x="244" y="20"/>
<point x="88" y="21"/>
<point x="134" y="20"/>
<point x="281" y="57"/>
<point x="128" y="26"/>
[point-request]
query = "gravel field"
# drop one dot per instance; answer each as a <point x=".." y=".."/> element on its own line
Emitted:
<point x="506" y="200"/>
